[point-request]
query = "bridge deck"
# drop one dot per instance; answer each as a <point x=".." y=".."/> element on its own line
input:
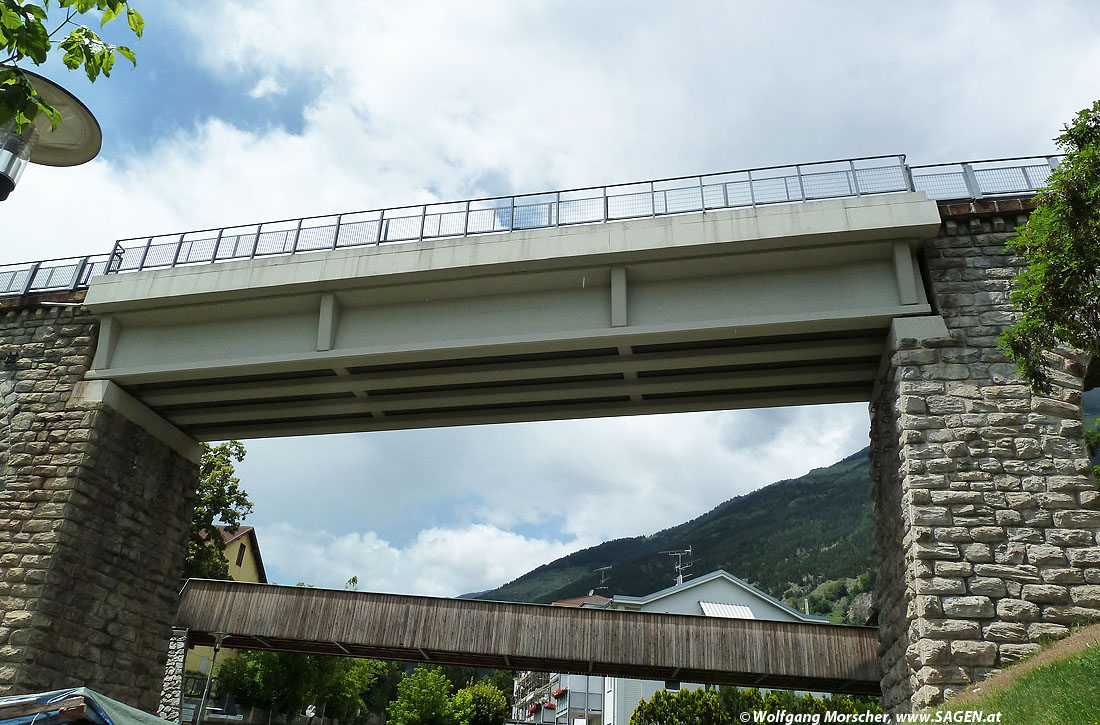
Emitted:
<point x="819" y="657"/>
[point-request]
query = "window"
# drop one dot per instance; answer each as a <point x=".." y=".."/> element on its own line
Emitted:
<point x="240" y="554"/>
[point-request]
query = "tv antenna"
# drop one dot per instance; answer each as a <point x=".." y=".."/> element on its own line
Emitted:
<point x="681" y="567"/>
<point x="602" y="571"/>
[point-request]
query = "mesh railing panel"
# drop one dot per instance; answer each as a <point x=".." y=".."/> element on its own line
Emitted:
<point x="947" y="185"/>
<point x="882" y="180"/>
<point x="1001" y="181"/>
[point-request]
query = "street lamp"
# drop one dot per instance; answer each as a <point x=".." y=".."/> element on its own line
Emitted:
<point x="75" y="141"/>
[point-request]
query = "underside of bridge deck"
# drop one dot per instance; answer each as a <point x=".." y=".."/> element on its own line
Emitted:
<point x="819" y="657"/>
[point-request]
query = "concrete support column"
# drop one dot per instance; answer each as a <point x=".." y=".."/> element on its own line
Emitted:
<point x="986" y="513"/>
<point x="95" y="497"/>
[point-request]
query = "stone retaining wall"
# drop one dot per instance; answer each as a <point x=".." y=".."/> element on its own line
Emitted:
<point x="986" y="510"/>
<point x="93" y="519"/>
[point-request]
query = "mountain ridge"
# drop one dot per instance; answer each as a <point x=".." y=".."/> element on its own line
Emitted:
<point x="788" y="538"/>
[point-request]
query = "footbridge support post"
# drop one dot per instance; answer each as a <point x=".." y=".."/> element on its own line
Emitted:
<point x="96" y="493"/>
<point x="986" y="512"/>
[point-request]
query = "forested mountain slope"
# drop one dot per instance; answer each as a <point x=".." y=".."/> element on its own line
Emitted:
<point x="786" y="538"/>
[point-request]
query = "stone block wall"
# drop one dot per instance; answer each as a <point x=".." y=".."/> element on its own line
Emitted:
<point x="171" y="696"/>
<point x="987" y="515"/>
<point x="93" y="517"/>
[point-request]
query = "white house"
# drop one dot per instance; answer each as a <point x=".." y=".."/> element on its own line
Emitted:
<point x="596" y="700"/>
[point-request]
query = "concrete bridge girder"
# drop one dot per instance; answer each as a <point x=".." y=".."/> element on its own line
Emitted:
<point x="725" y="309"/>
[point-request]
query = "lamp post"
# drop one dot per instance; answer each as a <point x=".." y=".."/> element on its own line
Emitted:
<point x="76" y="140"/>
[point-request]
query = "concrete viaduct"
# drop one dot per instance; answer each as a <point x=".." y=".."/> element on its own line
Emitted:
<point x="810" y="284"/>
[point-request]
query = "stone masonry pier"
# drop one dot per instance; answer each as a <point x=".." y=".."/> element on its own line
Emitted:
<point x="986" y="511"/>
<point x="94" y="512"/>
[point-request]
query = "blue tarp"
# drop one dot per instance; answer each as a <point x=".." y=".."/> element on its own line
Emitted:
<point x="98" y="709"/>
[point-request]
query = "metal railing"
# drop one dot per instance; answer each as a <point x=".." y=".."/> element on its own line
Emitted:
<point x="591" y="205"/>
<point x="51" y="275"/>
<point x="973" y="180"/>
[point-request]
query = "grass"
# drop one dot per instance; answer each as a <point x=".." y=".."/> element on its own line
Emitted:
<point x="1059" y="685"/>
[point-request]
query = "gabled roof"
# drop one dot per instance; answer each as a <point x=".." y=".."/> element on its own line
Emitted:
<point x="243" y="531"/>
<point x="717" y="574"/>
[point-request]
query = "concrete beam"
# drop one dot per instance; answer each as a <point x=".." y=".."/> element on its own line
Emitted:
<point x="118" y="400"/>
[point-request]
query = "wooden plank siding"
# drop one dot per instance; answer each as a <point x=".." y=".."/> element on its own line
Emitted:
<point x="818" y="657"/>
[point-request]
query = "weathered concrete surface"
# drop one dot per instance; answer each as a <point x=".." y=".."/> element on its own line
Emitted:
<point x="93" y="518"/>
<point x="986" y="512"/>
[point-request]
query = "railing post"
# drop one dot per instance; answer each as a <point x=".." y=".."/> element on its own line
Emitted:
<point x="423" y="218"/>
<point x="256" y="242"/>
<point x="297" y="234"/>
<point x="80" y="267"/>
<point x="971" y="179"/>
<point x="145" y="254"/>
<point x="801" y="187"/>
<point x="382" y="221"/>
<point x="1053" y="162"/>
<point x="115" y="254"/>
<point x="217" y="245"/>
<point x="907" y="174"/>
<point x="512" y="215"/>
<point x="557" y="208"/>
<point x="725" y="195"/>
<point x="702" y="197"/>
<point x="336" y="232"/>
<point x="466" y="221"/>
<point x="752" y="192"/>
<point x="30" y="278"/>
<point x="652" y="200"/>
<point x="606" y="217"/>
<point x="179" y="248"/>
<point x="855" y="179"/>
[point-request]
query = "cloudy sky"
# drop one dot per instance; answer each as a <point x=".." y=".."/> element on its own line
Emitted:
<point x="241" y="111"/>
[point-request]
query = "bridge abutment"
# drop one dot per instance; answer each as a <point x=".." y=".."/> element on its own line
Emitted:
<point x="986" y="512"/>
<point x="94" y="509"/>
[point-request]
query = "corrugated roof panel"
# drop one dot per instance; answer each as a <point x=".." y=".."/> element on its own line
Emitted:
<point x="729" y="611"/>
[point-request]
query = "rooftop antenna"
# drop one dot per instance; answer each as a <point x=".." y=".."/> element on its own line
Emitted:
<point x="681" y="567"/>
<point x="602" y="571"/>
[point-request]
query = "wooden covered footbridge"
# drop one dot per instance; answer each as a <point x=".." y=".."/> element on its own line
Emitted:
<point x="747" y="652"/>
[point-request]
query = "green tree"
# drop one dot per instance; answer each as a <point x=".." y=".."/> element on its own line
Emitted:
<point x="480" y="704"/>
<point x="1059" y="289"/>
<point x="220" y="497"/>
<point x="423" y="698"/>
<point x="26" y="37"/>
<point x="285" y="683"/>
<point x="277" y="681"/>
<point x="684" y="707"/>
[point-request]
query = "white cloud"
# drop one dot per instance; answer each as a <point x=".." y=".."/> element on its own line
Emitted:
<point x="267" y="86"/>
<point x="439" y="562"/>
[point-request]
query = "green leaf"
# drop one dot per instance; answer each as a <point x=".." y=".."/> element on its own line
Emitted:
<point x="73" y="57"/>
<point x="106" y="60"/>
<point x="110" y="14"/>
<point x="127" y="54"/>
<point x="51" y="113"/>
<point x="10" y="19"/>
<point x="135" y="21"/>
